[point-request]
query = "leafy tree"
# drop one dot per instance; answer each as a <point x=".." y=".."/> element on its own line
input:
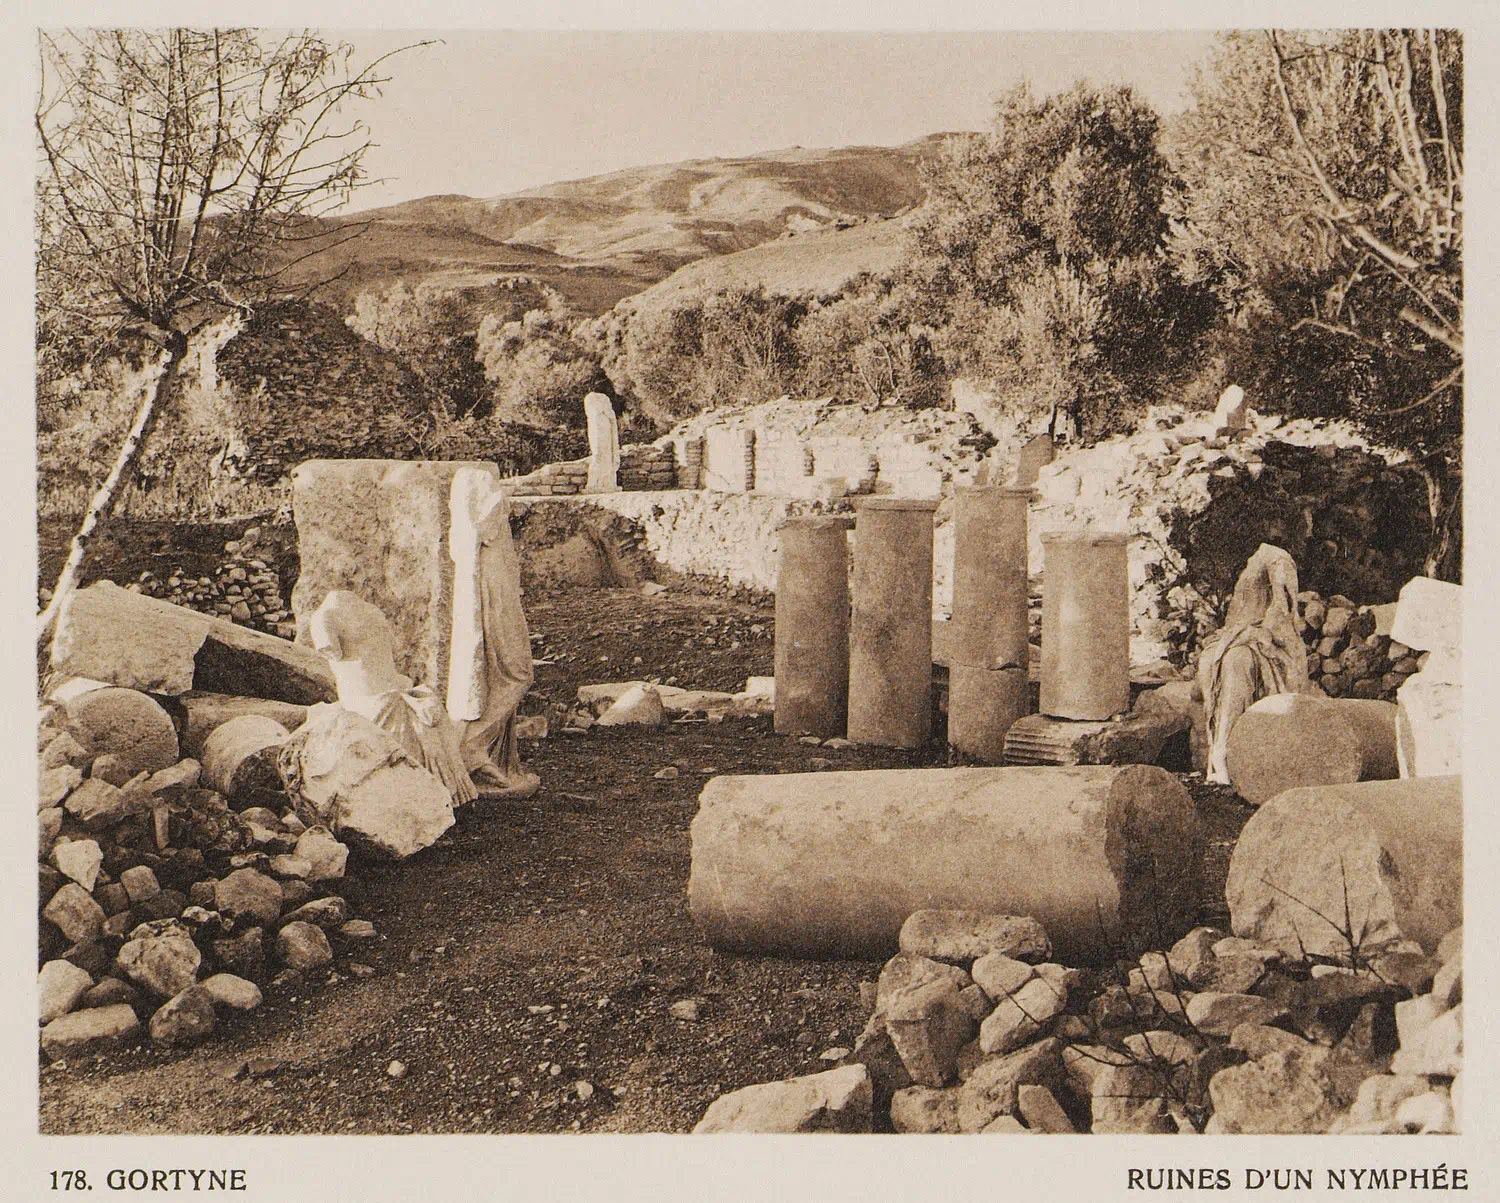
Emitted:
<point x="433" y="330"/>
<point x="179" y="171"/>
<point x="1323" y="203"/>
<point x="539" y="370"/>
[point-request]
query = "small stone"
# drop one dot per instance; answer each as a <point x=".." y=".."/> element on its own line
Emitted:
<point x="79" y="860"/>
<point x="60" y="987"/>
<point x="97" y="804"/>
<point x="928" y="1024"/>
<point x="992" y="1089"/>
<point x="837" y="1100"/>
<point x="301" y="945"/>
<point x="584" y="1091"/>
<point x="1021" y="1017"/>
<point x="161" y="957"/>
<point x="116" y="770"/>
<point x="1005" y="1125"/>
<point x="244" y="955"/>
<point x="396" y="1069"/>
<point x="109" y="992"/>
<point x="1259" y="1040"/>
<point x="1162" y="1048"/>
<point x="923" y="1110"/>
<point x="201" y="893"/>
<point x="685" y="1009"/>
<point x="1448" y="985"/>
<point x="326" y="855"/>
<point x="49" y="821"/>
<point x="1217" y="1014"/>
<point x="249" y="894"/>
<point x="74" y="913"/>
<point x="961" y="937"/>
<point x="56" y="784"/>
<point x="999" y="975"/>
<point x="140" y="883"/>
<point x="1042" y="1112"/>
<point x="290" y="867"/>
<point x="837" y="1053"/>
<point x="669" y="773"/>
<point x="1287" y="1092"/>
<point x="328" y="913"/>
<point x="358" y="929"/>
<point x="234" y="992"/>
<point x="86" y="1031"/>
<point x="186" y="1018"/>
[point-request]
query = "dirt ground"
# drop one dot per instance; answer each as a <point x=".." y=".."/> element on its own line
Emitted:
<point x="525" y="966"/>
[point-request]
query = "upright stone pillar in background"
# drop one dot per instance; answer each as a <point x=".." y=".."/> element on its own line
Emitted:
<point x="812" y="626"/>
<point x="988" y="688"/>
<point x="604" y="444"/>
<point x="380" y="529"/>
<point x="890" y="632"/>
<point x="1085" y="625"/>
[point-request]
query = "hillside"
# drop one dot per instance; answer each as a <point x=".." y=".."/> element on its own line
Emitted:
<point x="599" y="239"/>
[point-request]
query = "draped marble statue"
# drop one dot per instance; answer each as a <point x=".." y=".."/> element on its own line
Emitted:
<point x="358" y="642"/>
<point x="604" y="444"/>
<point x="1257" y="653"/>
<point x="489" y="667"/>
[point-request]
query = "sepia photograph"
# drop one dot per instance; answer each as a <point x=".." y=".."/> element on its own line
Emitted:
<point x="683" y="581"/>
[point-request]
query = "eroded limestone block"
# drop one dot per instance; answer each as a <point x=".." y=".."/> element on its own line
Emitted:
<point x="1290" y="740"/>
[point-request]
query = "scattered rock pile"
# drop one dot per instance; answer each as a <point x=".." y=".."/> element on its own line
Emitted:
<point x="1350" y="652"/>
<point x="164" y="903"/>
<point x="976" y="1029"/>
<point x="243" y="589"/>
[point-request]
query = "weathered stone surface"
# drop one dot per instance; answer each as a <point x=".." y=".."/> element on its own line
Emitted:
<point x="126" y="725"/>
<point x="74" y="913"/>
<point x="207" y="712"/>
<point x="1396" y="847"/>
<point x="993" y="1088"/>
<point x="1083" y="1063"/>
<point x="63" y="751"/>
<point x="352" y="776"/>
<point x="1130" y="1099"/>
<point x="835" y="1101"/>
<point x="302" y="946"/>
<point x="1429" y="726"/>
<point x="1042" y="1112"/>
<point x="78" y="860"/>
<point x="249" y="894"/>
<point x="109" y="992"/>
<point x="327" y="913"/>
<point x="244" y="955"/>
<point x="1021" y="1017"/>
<point x="1137" y="738"/>
<point x="60" y="987"/>
<point x="1430" y="616"/>
<point x="115" y="769"/>
<point x="999" y="975"/>
<point x="1380" y="1095"/>
<point x="925" y="1111"/>
<point x="1195" y="949"/>
<point x="86" y="1031"/>
<point x="1286" y="1092"/>
<point x="1258" y="1040"/>
<point x="185" y="1018"/>
<point x="164" y="961"/>
<point x="928" y="1024"/>
<point x="959" y="937"/>
<point x="326" y="856"/>
<point x="1162" y="1047"/>
<point x="1219" y="1014"/>
<point x="240" y="759"/>
<point x="638" y="706"/>
<point x="57" y="783"/>
<point x="381" y="529"/>
<point x="49" y="823"/>
<point x="1436" y="1047"/>
<point x="110" y="634"/>
<point x="1085" y="625"/>
<point x="1290" y="740"/>
<point x="834" y="863"/>
<point x="1231" y="414"/>
<point x="812" y="626"/>
<point x="97" y="804"/>
<point x="140" y="883"/>
<point x="288" y="867"/>
<point x="233" y="992"/>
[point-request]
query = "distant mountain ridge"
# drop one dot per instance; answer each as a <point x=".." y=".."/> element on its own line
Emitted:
<point x="605" y="237"/>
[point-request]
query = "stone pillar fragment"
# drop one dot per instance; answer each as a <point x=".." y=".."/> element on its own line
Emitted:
<point x="988" y="689"/>
<point x="604" y="444"/>
<point x="812" y="627"/>
<point x="890" y="631"/>
<point x="1391" y="851"/>
<point x="832" y="864"/>
<point x="1291" y="740"/>
<point x="1085" y="625"/>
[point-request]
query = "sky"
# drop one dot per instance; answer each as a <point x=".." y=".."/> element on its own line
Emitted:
<point x="484" y="113"/>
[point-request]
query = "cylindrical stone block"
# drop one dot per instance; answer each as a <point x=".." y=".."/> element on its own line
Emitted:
<point x="812" y="627"/>
<point x="239" y="759"/>
<point x="890" y="631"/>
<point x="1389" y="851"/>
<point x="1085" y="625"/>
<point x="988" y="688"/>
<point x="1291" y="740"/>
<point x="831" y="864"/>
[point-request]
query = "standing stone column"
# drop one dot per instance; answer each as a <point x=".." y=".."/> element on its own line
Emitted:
<point x="604" y="444"/>
<point x="890" y="632"/>
<point x="988" y="689"/>
<point x="812" y="626"/>
<point x="1085" y="625"/>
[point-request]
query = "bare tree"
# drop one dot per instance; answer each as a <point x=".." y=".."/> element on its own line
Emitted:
<point x="182" y="176"/>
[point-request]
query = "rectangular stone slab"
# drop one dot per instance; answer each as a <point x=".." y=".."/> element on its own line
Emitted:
<point x="831" y="864"/>
<point x="111" y="634"/>
<point x="379" y="528"/>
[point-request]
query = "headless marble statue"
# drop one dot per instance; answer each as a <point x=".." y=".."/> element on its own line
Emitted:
<point x="1257" y="653"/>
<point x="489" y="662"/>
<point x="357" y="640"/>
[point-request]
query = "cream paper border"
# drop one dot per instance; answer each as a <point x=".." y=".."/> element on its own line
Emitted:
<point x="293" y="1168"/>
